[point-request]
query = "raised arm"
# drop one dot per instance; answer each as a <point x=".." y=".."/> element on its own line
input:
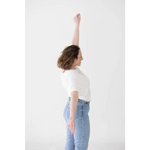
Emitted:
<point x="75" y="39"/>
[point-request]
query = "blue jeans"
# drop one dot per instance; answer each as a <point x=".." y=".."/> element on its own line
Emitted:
<point x="79" y="140"/>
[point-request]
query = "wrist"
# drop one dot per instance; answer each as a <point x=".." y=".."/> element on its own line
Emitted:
<point x="72" y="118"/>
<point x="77" y="25"/>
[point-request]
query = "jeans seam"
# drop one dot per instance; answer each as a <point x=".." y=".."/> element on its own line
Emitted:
<point x="83" y="134"/>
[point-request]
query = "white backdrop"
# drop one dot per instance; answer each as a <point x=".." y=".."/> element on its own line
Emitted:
<point x="49" y="28"/>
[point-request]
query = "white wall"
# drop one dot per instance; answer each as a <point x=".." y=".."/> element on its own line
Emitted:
<point x="49" y="28"/>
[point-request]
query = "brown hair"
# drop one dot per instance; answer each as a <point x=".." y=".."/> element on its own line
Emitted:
<point x="67" y="57"/>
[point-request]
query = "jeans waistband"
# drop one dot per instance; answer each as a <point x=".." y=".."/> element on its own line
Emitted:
<point x="79" y="101"/>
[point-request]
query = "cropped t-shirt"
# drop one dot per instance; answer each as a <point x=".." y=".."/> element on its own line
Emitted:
<point x="76" y="80"/>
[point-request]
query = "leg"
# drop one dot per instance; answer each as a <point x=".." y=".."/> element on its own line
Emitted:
<point x="69" y="140"/>
<point x="82" y="129"/>
<point x="69" y="137"/>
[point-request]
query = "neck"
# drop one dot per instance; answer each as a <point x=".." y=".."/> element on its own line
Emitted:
<point x="73" y="67"/>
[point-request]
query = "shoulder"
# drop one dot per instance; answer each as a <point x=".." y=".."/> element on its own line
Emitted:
<point x="71" y="73"/>
<point x="72" y="76"/>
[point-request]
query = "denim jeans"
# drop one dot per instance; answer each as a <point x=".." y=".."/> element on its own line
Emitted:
<point x="80" y="139"/>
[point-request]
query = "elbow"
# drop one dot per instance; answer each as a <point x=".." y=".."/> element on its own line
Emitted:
<point x="74" y="94"/>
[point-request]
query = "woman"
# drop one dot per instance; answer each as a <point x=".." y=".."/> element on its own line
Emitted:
<point x="78" y="87"/>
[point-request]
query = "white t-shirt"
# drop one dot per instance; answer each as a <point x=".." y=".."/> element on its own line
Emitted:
<point x="75" y="80"/>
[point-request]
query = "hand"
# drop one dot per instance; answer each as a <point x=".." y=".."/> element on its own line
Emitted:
<point x="71" y="125"/>
<point x="77" y="19"/>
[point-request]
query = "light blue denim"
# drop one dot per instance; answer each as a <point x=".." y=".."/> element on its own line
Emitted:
<point x="80" y="139"/>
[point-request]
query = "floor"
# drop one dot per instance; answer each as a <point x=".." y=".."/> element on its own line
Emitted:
<point x="59" y="145"/>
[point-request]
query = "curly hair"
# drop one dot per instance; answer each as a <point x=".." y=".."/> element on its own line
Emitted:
<point x="67" y="57"/>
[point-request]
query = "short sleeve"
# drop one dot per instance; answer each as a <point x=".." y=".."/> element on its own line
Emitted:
<point x="73" y="83"/>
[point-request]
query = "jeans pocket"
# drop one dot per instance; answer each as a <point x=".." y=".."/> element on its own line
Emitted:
<point x="77" y="114"/>
<point x="85" y="110"/>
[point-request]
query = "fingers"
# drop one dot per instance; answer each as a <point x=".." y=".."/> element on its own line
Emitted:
<point x="72" y="130"/>
<point x="71" y="127"/>
<point x="78" y="15"/>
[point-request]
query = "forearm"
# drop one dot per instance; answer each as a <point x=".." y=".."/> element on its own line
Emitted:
<point x="73" y="105"/>
<point x="75" y="39"/>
